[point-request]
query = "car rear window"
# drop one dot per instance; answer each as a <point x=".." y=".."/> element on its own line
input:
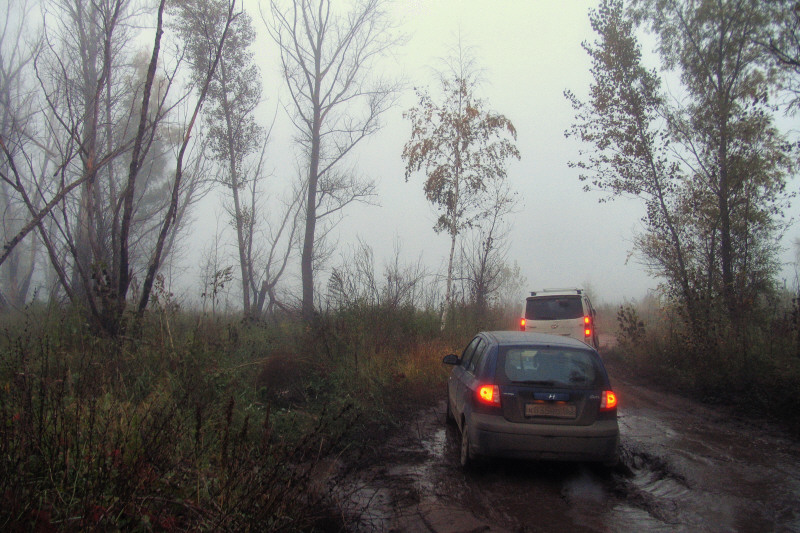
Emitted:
<point x="554" y="308"/>
<point x="567" y="368"/>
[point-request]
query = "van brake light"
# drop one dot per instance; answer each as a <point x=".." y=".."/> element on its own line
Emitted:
<point x="587" y="326"/>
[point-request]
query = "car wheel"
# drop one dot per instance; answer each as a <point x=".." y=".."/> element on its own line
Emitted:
<point x="615" y="460"/>
<point x="612" y="462"/>
<point x="466" y="456"/>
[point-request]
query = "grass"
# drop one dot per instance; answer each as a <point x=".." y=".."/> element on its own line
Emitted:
<point x="757" y="370"/>
<point x="200" y="423"/>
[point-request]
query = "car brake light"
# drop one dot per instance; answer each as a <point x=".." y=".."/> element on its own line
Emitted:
<point x="608" y="401"/>
<point x="489" y="394"/>
<point x="522" y="322"/>
<point x="587" y="326"/>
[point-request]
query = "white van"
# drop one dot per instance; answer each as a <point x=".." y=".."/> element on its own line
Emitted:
<point x="565" y="312"/>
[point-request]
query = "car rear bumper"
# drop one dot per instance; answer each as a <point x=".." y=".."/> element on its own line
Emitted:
<point x="494" y="436"/>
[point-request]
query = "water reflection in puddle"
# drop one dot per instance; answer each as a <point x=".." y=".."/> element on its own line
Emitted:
<point x="688" y="480"/>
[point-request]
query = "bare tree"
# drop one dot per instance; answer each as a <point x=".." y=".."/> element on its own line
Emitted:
<point x="203" y="87"/>
<point x="268" y="263"/>
<point x="484" y="258"/>
<point x="82" y="131"/>
<point x="127" y="218"/>
<point x="16" y="108"/>
<point x="327" y="58"/>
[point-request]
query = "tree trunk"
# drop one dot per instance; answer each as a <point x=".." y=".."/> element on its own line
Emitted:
<point x="307" y="257"/>
<point x="244" y="266"/>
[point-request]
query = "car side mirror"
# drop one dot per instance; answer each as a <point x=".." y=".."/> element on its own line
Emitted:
<point x="451" y="359"/>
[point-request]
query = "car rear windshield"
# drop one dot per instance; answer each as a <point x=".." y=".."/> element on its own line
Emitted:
<point x="554" y="308"/>
<point x="550" y="366"/>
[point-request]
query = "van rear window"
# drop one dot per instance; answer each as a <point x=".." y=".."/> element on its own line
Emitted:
<point x="554" y="308"/>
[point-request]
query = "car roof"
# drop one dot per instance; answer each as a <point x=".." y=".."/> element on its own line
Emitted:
<point x="526" y="337"/>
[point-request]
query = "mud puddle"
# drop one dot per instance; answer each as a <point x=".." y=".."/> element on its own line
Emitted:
<point x="683" y="468"/>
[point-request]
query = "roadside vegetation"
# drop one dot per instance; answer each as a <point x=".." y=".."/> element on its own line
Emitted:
<point x="214" y="423"/>
<point x="204" y="423"/>
<point x="756" y="371"/>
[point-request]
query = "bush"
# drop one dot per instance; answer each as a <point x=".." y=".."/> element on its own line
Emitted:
<point x="755" y="369"/>
<point x="105" y="434"/>
<point x="199" y="422"/>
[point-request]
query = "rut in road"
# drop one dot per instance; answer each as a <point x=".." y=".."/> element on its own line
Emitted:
<point x="685" y="467"/>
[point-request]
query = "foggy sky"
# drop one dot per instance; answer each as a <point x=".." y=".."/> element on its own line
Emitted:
<point x="530" y="52"/>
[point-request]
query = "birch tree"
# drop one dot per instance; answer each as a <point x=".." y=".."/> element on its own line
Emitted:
<point x="233" y="95"/>
<point x="462" y="148"/>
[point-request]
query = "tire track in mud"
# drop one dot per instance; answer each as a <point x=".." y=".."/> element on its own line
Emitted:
<point x="684" y="467"/>
<point x="697" y="467"/>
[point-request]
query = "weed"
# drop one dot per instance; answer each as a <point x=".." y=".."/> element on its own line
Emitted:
<point x="203" y="423"/>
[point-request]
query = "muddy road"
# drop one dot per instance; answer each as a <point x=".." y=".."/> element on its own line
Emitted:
<point x="686" y="467"/>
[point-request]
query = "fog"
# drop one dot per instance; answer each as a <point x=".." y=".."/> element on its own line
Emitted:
<point x="530" y="52"/>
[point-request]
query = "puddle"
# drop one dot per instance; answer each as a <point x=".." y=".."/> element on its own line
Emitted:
<point x="679" y="472"/>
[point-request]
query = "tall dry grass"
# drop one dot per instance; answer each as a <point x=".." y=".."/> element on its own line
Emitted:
<point x="201" y="423"/>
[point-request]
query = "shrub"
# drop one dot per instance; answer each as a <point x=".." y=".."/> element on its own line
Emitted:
<point x="200" y="422"/>
<point x="754" y="369"/>
<point x="104" y="434"/>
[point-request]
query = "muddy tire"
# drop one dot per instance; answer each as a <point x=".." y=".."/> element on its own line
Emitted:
<point x="615" y="461"/>
<point x="467" y="460"/>
<point x="612" y="463"/>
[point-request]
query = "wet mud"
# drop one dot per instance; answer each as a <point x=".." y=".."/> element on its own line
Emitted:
<point x="684" y="467"/>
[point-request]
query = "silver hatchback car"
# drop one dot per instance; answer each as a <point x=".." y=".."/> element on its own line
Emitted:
<point x="533" y="396"/>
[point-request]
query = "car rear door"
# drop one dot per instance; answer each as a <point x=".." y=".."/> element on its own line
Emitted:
<point x="547" y="386"/>
<point x="556" y="315"/>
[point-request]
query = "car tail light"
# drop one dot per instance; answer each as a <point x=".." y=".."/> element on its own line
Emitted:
<point x="608" y="401"/>
<point x="587" y="326"/>
<point x="489" y="394"/>
<point x="522" y="322"/>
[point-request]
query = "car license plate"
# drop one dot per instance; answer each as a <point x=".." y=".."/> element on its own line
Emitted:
<point x="550" y="409"/>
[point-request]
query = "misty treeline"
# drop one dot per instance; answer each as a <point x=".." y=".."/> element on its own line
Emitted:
<point x="118" y="117"/>
<point x="102" y="146"/>
<point x="697" y="140"/>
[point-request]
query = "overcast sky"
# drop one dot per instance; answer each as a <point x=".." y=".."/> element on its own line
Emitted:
<point x="530" y="51"/>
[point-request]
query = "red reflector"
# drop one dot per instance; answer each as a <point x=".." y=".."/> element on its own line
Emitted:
<point x="608" y="400"/>
<point x="489" y="394"/>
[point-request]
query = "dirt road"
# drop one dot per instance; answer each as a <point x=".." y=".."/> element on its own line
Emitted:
<point x="686" y="467"/>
